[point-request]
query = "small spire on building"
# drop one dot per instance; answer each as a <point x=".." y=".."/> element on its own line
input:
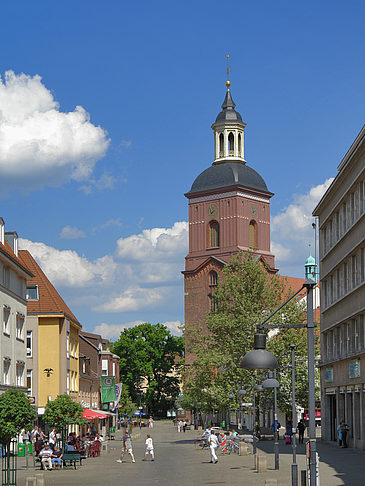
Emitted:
<point x="228" y="83"/>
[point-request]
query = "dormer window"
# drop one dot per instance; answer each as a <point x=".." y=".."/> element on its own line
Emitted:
<point x="32" y="292"/>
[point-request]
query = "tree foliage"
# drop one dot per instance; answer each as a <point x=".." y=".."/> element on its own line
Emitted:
<point x="62" y="412"/>
<point x="148" y="364"/>
<point x="245" y="295"/>
<point x="127" y="406"/>
<point x="16" y="413"/>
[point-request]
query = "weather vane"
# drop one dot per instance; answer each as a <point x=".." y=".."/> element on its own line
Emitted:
<point x="228" y="83"/>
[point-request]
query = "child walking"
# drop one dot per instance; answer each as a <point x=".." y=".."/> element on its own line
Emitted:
<point x="149" y="448"/>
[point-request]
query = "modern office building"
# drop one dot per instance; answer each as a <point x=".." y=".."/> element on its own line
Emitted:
<point x="341" y="215"/>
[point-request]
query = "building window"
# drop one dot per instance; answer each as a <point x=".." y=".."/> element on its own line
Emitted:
<point x="239" y="144"/>
<point x="213" y="303"/>
<point x="19" y="374"/>
<point x="104" y="367"/>
<point x="213" y="234"/>
<point x="113" y="368"/>
<point x="20" y="327"/>
<point x="6" y="317"/>
<point x="6" y="377"/>
<point x="68" y="382"/>
<point x="353" y="271"/>
<point x="362" y="264"/>
<point x="32" y="292"/>
<point x="213" y="278"/>
<point x="6" y="277"/>
<point x="75" y="384"/>
<point x="231" y="143"/>
<point x="68" y="345"/>
<point x="29" y="383"/>
<point x="29" y="344"/>
<point x="221" y="145"/>
<point x="345" y="278"/>
<point x="252" y="232"/>
<point x="84" y="366"/>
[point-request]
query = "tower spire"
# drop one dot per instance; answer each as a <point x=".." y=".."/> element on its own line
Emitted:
<point x="228" y="83"/>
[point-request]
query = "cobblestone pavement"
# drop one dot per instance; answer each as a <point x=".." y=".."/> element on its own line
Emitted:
<point x="178" y="463"/>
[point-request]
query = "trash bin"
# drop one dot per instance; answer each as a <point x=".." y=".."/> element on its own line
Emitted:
<point x="21" y="450"/>
<point x="28" y="446"/>
<point x="112" y="430"/>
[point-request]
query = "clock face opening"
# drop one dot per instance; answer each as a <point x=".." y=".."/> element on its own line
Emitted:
<point x="212" y="211"/>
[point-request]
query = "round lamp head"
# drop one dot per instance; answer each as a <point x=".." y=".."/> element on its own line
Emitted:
<point x="259" y="359"/>
<point x="270" y="383"/>
<point x="242" y="392"/>
<point x="259" y="388"/>
<point x="230" y="396"/>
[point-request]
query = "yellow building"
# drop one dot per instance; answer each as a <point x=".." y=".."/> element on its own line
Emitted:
<point x="52" y="340"/>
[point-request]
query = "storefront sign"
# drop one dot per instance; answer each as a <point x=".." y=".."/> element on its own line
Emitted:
<point x="354" y="368"/>
<point x="31" y="400"/>
<point x="108" y="389"/>
<point x="328" y="375"/>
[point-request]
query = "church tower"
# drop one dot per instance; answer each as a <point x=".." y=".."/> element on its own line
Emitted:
<point x="229" y="211"/>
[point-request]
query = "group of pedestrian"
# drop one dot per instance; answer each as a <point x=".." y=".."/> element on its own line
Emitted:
<point x="181" y="425"/>
<point x="127" y="447"/>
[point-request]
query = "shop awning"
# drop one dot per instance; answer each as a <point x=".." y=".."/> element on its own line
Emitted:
<point x="92" y="414"/>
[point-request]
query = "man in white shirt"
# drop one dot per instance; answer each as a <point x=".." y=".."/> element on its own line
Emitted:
<point x="45" y="455"/>
<point x="213" y="444"/>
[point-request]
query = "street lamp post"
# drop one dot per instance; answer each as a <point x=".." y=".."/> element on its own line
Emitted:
<point x="294" y="466"/>
<point x="273" y="383"/>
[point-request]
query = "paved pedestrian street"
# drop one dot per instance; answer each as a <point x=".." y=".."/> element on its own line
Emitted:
<point x="179" y="463"/>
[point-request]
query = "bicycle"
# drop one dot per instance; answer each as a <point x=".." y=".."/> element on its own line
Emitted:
<point x="201" y="443"/>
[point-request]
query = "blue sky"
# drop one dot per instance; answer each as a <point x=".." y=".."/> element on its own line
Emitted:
<point x="89" y="202"/>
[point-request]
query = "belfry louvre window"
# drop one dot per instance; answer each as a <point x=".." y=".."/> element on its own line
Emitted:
<point x="221" y="144"/>
<point x="231" y="143"/>
<point x="213" y="235"/>
<point x="252" y="233"/>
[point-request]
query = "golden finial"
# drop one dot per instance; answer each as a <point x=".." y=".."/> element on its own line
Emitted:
<point x="228" y="83"/>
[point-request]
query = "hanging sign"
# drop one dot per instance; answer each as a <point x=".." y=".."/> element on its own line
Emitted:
<point x="108" y="389"/>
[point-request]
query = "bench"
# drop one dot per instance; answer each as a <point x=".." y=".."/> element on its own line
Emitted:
<point x="72" y="458"/>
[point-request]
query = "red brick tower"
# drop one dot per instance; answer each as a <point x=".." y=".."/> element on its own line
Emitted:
<point x="229" y="211"/>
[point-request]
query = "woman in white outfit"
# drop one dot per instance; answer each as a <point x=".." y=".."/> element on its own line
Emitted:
<point x="213" y="444"/>
<point x="149" y="448"/>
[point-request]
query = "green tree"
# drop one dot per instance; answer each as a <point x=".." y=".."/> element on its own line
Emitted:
<point x="148" y="364"/>
<point x="245" y="294"/>
<point x="62" y="412"/>
<point x="16" y="413"/>
<point x="126" y="403"/>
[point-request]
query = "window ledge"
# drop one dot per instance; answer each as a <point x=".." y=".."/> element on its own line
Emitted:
<point x="213" y="247"/>
<point x="6" y="334"/>
<point x="20" y="339"/>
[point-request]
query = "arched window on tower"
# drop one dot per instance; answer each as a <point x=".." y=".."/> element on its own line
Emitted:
<point x="213" y="278"/>
<point x="221" y="145"/>
<point x="231" y="143"/>
<point x="252" y="233"/>
<point x="213" y="303"/>
<point x="213" y="234"/>
<point x="239" y="144"/>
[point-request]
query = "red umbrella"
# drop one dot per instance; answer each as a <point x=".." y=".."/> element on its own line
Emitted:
<point x="92" y="414"/>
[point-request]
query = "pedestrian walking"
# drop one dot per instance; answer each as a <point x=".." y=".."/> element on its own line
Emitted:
<point x="301" y="429"/>
<point x="149" y="448"/>
<point x="184" y="425"/>
<point x="213" y="444"/>
<point x="127" y="447"/>
<point x="339" y="433"/>
<point x="179" y="425"/>
<point x="150" y="423"/>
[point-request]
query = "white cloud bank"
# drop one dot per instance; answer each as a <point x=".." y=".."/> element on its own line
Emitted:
<point x="139" y="275"/>
<point x="291" y="230"/>
<point x="41" y="145"/>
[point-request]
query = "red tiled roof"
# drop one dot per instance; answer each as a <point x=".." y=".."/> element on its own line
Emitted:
<point x="6" y="248"/>
<point x="50" y="300"/>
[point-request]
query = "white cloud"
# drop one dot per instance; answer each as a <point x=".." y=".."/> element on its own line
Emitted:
<point x="67" y="268"/>
<point x="291" y="229"/>
<point x="132" y="299"/>
<point x="156" y="244"/>
<point x="41" y="145"/>
<point x="125" y="143"/>
<point x="71" y="233"/>
<point x="112" y="331"/>
<point x="105" y="181"/>
<point x="112" y="222"/>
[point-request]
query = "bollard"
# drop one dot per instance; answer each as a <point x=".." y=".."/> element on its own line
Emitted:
<point x="31" y="481"/>
<point x="271" y="482"/>
<point x="40" y="479"/>
<point x="243" y="449"/>
<point x="261" y="464"/>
